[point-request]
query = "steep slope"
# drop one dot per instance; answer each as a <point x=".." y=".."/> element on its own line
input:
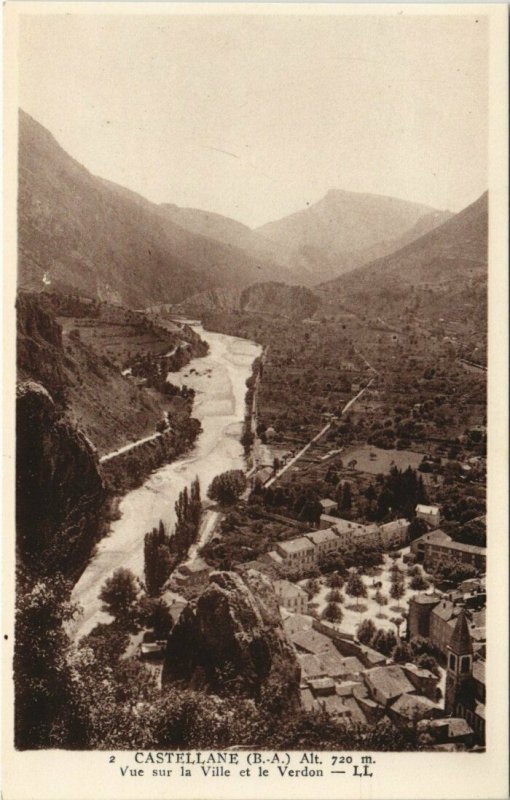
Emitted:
<point x="457" y="249"/>
<point x="347" y="229"/>
<point x="235" y="234"/>
<point x="444" y="272"/>
<point x="79" y="232"/>
<point x="77" y="352"/>
<point x="269" y="299"/>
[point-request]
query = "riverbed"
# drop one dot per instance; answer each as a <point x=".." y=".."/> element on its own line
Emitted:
<point x="219" y="380"/>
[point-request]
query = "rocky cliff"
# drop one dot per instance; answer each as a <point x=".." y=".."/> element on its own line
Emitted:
<point x="59" y="491"/>
<point x="232" y="640"/>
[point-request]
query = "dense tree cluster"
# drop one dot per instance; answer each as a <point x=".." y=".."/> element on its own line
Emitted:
<point x="395" y="494"/>
<point x="227" y="487"/>
<point x="162" y="551"/>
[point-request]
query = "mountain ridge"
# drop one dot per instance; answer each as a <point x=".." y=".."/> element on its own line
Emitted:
<point x="78" y="232"/>
<point x="345" y="229"/>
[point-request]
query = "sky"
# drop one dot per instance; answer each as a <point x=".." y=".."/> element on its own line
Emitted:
<point x="256" y="116"/>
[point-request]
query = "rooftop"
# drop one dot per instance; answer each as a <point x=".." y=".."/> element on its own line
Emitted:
<point x="342" y="525"/>
<point x="334" y="705"/>
<point x="297" y="622"/>
<point x="327" y="503"/>
<point x="461" y="638"/>
<point x="413" y="706"/>
<point x="435" y="537"/>
<point x="446" y="610"/>
<point x="395" y="526"/>
<point x="425" y="599"/>
<point x="319" y="537"/>
<point x="322" y="684"/>
<point x="313" y="642"/>
<point x="439" y="537"/>
<point x="311" y="665"/>
<point x="274" y="556"/>
<point x="287" y="589"/>
<point x="423" y="509"/>
<point x="297" y="545"/>
<point x="389" y="681"/>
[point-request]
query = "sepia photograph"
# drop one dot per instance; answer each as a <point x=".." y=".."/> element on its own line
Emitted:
<point x="251" y="357"/>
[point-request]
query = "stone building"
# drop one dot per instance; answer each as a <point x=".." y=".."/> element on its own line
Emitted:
<point x="465" y="680"/>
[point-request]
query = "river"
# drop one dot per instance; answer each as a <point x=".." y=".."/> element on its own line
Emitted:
<point x="219" y="380"/>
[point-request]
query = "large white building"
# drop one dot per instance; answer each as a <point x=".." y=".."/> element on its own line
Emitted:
<point x="430" y="514"/>
<point x="297" y="553"/>
<point x="307" y="550"/>
<point x="291" y="597"/>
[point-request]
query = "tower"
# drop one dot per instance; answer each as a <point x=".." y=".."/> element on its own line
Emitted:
<point x="459" y="667"/>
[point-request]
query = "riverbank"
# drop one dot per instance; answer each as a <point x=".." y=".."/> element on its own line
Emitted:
<point x="219" y="381"/>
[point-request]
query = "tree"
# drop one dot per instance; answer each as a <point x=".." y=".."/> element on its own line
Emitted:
<point x="346" y="502"/>
<point x="227" y="487"/>
<point x="355" y="587"/>
<point x="366" y="631"/>
<point x="49" y="709"/>
<point x="333" y="613"/>
<point x="312" y="587"/>
<point x="158" y="562"/>
<point x="331" y="562"/>
<point x="334" y="596"/>
<point x="397" y="590"/>
<point x="417" y="527"/>
<point x="402" y="653"/>
<point x="119" y="595"/>
<point x="418" y="582"/>
<point x="380" y="598"/>
<point x="107" y="641"/>
<point x="155" y="613"/>
<point x="398" y="622"/>
<point x="335" y="581"/>
<point x="426" y="661"/>
<point x="384" y="641"/>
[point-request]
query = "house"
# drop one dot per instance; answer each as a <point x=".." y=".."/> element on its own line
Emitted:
<point x="274" y="558"/>
<point x="430" y="514"/>
<point x="311" y="641"/>
<point x="409" y="708"/>
<point x="264" y="474"/>
<point x="296" y="554"/>
<point x="334" y="706"/>
<point x="387" y="684"/>
<point x="394" y="535"/>
<point x="311" y="666"/>
<point x="328" y="505"/>
<point x="435" y="617"/>
<point x="390" y="536"/>
<point x="152" y="650"/>
<point x="420" y="609"/>
<point x="423" y="680"/>
<point x="325" y="541"/>
<point x="322" y="686"/>
<point x="447" y="730"/>
<point x="296" y="622"/>
<point x="437" y="547"/>
<point x="291" y="596"/>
